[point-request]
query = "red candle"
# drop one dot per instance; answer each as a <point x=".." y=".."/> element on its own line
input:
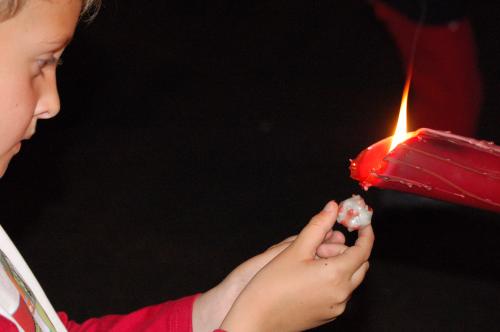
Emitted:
<point x="434" y="164"/>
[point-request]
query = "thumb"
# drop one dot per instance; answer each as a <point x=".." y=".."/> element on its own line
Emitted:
<point x="311" y="237"/>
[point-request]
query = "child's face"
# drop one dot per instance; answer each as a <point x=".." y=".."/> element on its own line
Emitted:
<point x="31" y="44"/>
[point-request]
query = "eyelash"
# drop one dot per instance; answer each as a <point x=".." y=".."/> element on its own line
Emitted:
<point x="42" y="63"/>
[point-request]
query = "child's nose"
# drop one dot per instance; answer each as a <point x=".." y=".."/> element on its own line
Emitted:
<point x="48" y="102"/>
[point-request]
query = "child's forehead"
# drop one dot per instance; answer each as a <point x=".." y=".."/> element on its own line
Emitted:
<point x="48" y="21"/>
<point x="10" y="8"/>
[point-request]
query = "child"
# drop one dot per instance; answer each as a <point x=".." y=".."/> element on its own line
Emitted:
<point x="300" y="283"/>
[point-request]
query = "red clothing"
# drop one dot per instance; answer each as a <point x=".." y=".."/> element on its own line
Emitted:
<point x="168" y="316"/>
<point x="171" y="316"/>
<point x="18" y="304"/>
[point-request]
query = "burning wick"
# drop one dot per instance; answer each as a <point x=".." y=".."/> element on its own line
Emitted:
<point x="401" y="132"/>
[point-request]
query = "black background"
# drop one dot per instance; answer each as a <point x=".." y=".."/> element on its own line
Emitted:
<point x="193" y="135"/>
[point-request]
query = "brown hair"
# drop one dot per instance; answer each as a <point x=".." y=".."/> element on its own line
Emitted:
<point x="9" y="8"/>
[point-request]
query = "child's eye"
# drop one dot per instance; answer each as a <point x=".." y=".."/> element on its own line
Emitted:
<point x="52" y="61"/>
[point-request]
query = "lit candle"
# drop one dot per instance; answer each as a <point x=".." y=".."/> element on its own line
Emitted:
<point x="434" y="164"/>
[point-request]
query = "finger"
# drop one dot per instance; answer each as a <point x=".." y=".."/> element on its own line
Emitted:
<point x="335" y="237"/>
<point x="358" y="276"/>
<point x="365" y="240"/>
<point x="359" y="253"/>
<point x="329" y="234"/>
<point x="327" y="250"/>
<point x="315" y="231"/>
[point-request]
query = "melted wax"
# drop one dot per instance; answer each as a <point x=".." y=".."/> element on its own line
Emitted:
<point x="434" y="164"/>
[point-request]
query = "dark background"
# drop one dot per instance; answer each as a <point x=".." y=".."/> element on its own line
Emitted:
<point x="193" y="135"/>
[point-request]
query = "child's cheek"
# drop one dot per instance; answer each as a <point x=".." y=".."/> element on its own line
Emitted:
<point x="23" y="107"/>
<point x="16" y="114"/>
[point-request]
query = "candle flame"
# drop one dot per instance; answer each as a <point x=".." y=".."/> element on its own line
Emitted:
<point x="401" y="132"/>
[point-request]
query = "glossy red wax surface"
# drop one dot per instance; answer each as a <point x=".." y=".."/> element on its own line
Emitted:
<point x="434" y="164"/>
<point x="369" y="163"/>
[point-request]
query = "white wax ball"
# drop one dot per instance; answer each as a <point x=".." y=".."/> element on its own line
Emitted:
<point x="354" y="213"/>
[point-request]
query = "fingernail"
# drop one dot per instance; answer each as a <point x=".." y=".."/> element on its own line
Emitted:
<point x="329" y="206"/>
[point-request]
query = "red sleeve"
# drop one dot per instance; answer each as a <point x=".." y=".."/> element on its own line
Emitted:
<point x="6" y="325"/>
<point x="169" y="316"/>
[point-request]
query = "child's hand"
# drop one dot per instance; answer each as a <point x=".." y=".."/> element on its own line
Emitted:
<point x="298" y="290"/>
<point x="212" y="306"/>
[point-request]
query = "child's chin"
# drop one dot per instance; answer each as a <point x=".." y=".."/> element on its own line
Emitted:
<point x="3" y="167"/>
<point x="7" y="157"/>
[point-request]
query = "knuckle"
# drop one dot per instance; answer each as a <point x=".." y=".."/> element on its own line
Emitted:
<point x="339" y="273"/>
<point x="337" y="309"/>
<point x="340" y="295"/>
<point x="365" y="256"/>
<point x="344" y="296"/>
